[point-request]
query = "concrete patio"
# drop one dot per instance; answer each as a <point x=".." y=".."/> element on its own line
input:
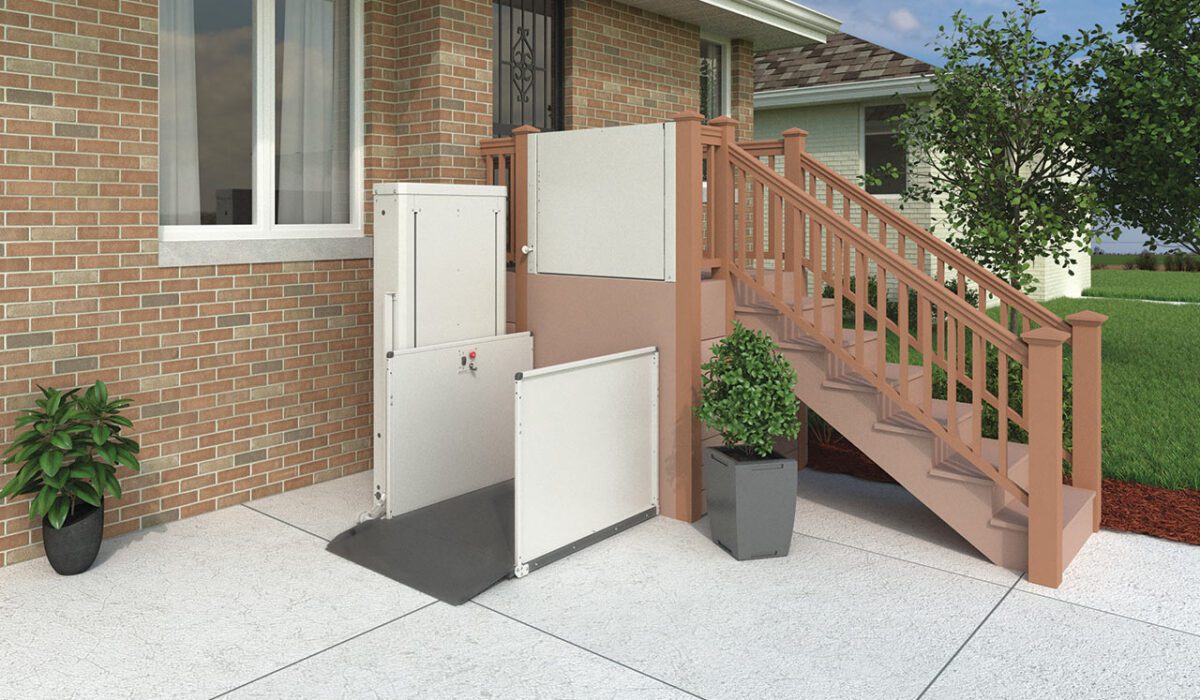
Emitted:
<point x="878" y="599"/>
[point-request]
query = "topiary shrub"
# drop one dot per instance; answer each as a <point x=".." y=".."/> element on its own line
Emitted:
<point x="747" y="393"/>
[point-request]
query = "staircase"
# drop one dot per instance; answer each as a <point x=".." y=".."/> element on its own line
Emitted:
<point x="972" y="422"/>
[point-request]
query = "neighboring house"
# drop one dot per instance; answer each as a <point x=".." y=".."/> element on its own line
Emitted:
<point x="844" y="92"/>
<point x="185" y="185"/>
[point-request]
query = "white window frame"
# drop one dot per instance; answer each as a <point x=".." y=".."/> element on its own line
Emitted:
<point x="263" y="157"/>
<point x="726" y="69"/>
<point x="862" y="147"/>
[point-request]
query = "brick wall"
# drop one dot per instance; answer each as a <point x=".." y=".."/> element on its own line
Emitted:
<point x="247" y="379"/>
<point x="444" y="84"/>
<point x="628" y="66"/>
<point x="741" y="90"/>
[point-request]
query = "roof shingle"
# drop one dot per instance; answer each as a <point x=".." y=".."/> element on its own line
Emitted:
<point x="842" y="59"/>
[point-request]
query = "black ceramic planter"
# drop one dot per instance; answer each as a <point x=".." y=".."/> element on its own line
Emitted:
<point x="72" y="548"/>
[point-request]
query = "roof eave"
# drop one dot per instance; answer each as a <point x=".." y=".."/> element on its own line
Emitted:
<point x="856" y="91"/>
<point x="784" y="15"/>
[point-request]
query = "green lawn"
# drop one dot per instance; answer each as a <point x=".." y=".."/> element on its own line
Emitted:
<point x="1144" y="284"/>
<point x="1151" y="393"/>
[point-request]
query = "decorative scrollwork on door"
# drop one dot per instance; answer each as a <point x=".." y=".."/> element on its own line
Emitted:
<point x="528" y="75"/>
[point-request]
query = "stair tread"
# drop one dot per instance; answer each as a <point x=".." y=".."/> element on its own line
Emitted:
<point x="904" y="421"/>
<point x="1015" y="515"/>
<point x="959" y="466"/>
<point x="893" y="372"/>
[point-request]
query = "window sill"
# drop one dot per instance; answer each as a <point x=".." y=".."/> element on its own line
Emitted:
<point x="262" y="250"/>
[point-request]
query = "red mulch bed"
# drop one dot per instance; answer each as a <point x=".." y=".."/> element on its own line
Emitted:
<point x="1129" y="507"/>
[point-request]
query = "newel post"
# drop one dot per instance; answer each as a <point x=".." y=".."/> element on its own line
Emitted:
<point x="1043" y="406"/>
<point x="520" y="204"/>
<point x="793" y="171"/>
<point x="688" y="205"/>
<point x="720" y="190"/>
<point x="1085" y="405"/>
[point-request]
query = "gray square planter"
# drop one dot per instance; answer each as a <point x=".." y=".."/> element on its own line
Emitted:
<point x="751" y="502"/>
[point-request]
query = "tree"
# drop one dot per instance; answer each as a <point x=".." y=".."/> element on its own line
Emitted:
<point x="1145" y="123"/>
<point x="1001" y="139"/>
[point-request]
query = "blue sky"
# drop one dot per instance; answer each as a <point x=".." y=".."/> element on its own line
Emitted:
<point x="910" y="26"/>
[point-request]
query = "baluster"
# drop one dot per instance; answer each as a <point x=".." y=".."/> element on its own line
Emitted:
<point x="776" y="235"/>
<point x="737" y="231"/>
<point x="952" y="375"/>
<point x="926" y="321"/>
<point x="860" y="296"/>
<point x="799" y="269"/>
<point x="902" y="332"/>
<point x="757" y="217"/>
<point x="814" y="250"/>
<point x="979" y="385"/>
<point x="882" y="321"/>
<point x="1002" y="411"/>
<point x="836" y="243"/>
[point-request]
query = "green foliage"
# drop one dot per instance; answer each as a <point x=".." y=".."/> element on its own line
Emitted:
<point x="824" y="433"/>
<point x="1144" y="132"/>
<point x="69" y="447"/>
<point x="1145" y="261"/>
<point x="1001" y="141"/>
<point x="1178" y="262"/>
<point x="747" y="392"/>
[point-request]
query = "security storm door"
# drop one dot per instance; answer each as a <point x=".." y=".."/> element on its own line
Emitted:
<point x="528" y="65"/>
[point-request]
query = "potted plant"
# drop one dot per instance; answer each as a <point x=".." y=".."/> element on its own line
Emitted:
<point x="747" y="395"/>
<point x="69" y="447"/>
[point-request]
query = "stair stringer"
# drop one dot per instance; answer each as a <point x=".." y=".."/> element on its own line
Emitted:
<point x="908" y="458"/>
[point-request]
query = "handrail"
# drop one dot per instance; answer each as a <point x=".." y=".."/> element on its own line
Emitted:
<point x="942" y="295"/>
<point x="987" y="282"/>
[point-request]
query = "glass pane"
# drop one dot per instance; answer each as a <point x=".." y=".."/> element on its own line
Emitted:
<point x="313" y="100"/>
<point x="879" y="120"/>
<point x="206" y="102"/>
<point x="712" y="79"/>
<point x="882" y="149"/>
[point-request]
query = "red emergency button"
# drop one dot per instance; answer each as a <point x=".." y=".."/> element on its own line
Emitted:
<point x="472" y="355"/>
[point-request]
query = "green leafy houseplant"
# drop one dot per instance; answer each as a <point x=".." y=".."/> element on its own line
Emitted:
<point x="747" y="393"/>
<point x="69" y="447"/>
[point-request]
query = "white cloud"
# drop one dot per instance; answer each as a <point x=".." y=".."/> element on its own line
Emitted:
<point x="902" y="20"/>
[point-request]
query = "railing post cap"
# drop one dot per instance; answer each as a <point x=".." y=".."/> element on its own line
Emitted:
<point x="687" y="115"/>
<point x="1086" y="318"/>
<point x="723" y="120"/>
<point x="526" y="129"/>
<point x="1045" y="336"/>
<point x="794" y="132"/>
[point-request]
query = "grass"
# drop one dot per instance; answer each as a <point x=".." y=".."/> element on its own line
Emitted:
<point x="1151" y="390"/>
<point x="1144" y="284"/>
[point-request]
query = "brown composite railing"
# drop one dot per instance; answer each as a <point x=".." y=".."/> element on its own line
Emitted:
<point x="908" y="240"/>
<point x="809" y="231"/>
<point x="497" y="167"/>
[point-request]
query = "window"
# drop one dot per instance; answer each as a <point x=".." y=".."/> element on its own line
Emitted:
<point x="714" y="78"/>
<point x="260" y="119"/>
<point x="527" y="73"/>
<point x="880" y="149"/>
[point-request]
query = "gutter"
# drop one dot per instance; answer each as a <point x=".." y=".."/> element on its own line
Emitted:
<point x="842" y="92"/>
<point x="784" y="15"/>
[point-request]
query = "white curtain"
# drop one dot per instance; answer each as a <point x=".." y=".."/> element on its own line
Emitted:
<point x="314" y="103"/>
<point x="179" y="160"/>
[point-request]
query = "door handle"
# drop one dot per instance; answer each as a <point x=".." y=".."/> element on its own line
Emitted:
<point x="526" y="249"/>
